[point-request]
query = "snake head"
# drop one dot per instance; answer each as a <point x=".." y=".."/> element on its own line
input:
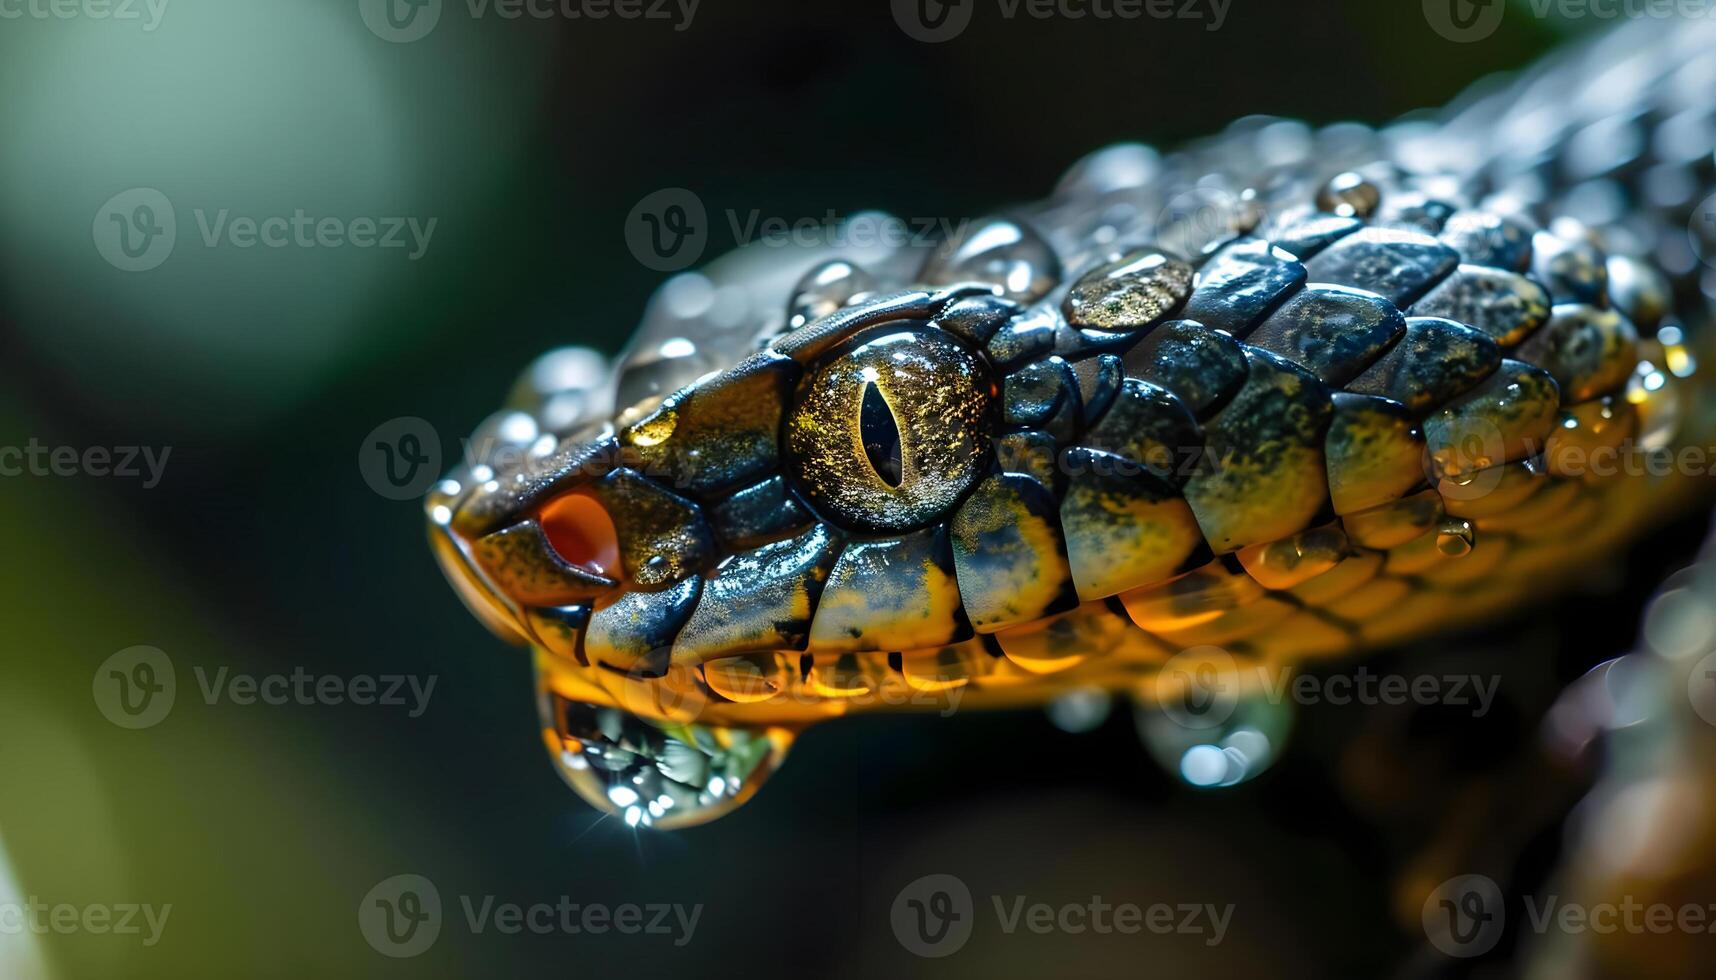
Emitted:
<point x="606" y="546"/>
<point x="795" y="502"/>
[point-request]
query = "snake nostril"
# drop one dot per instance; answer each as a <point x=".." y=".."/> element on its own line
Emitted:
<point x="581" y="532"/>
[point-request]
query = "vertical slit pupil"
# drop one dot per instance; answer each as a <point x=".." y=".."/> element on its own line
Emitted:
<point x="881" y="435"/>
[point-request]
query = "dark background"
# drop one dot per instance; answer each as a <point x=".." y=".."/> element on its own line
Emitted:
<point x="263" y="549"/>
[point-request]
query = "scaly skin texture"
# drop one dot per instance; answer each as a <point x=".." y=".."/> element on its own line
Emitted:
<point x="1286" y="394"/>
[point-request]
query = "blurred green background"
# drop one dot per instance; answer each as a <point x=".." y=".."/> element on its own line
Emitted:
<point x="263" y="550"/>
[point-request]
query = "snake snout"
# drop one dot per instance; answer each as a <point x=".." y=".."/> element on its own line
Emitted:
<point x="521" y="530"/>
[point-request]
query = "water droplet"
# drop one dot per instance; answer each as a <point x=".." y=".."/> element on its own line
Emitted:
<point x="1081" y="710"/>
<point x="1658" y="404"/>
<point x="749" y="678"/>
<point x="999" y="252"/>
<point x="1241" y="748"/>
<point x="1679" y="624"/>
<point x="653" y="372"/>
<point x="1349" y="195"/>
<point x="688" y="773"/>
<point x="825" y="289"/>
<point x="1455" y="537"/>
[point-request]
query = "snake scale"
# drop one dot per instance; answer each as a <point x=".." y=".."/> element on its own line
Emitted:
<point x="1286" y="393"/>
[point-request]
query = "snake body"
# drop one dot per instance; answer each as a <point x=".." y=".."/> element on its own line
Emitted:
<point x="1287" y="393"/>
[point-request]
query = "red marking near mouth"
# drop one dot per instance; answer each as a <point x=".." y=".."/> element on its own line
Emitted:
<point x="582" y="533"/>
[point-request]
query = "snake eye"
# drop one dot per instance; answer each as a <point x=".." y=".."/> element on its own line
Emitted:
<point x="580" y="531"/>
<point x="892" y="429"/>
<point x="881" y="436"/>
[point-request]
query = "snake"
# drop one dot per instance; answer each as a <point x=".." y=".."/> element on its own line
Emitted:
<point x="1283" y="395"/>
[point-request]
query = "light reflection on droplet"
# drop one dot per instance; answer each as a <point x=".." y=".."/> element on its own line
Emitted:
<point x="1678" y="625"/>
<point x="1238" y="766"/>
<point x="687" y="295"/>
<point x="1082" y="710"/>
<point x="1253" y="743"/>
<point x="1634" y="686"/>
<point x="1241" y="748"/>
<point x="1204" y="765"/>
<point x="678" y="347"/>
